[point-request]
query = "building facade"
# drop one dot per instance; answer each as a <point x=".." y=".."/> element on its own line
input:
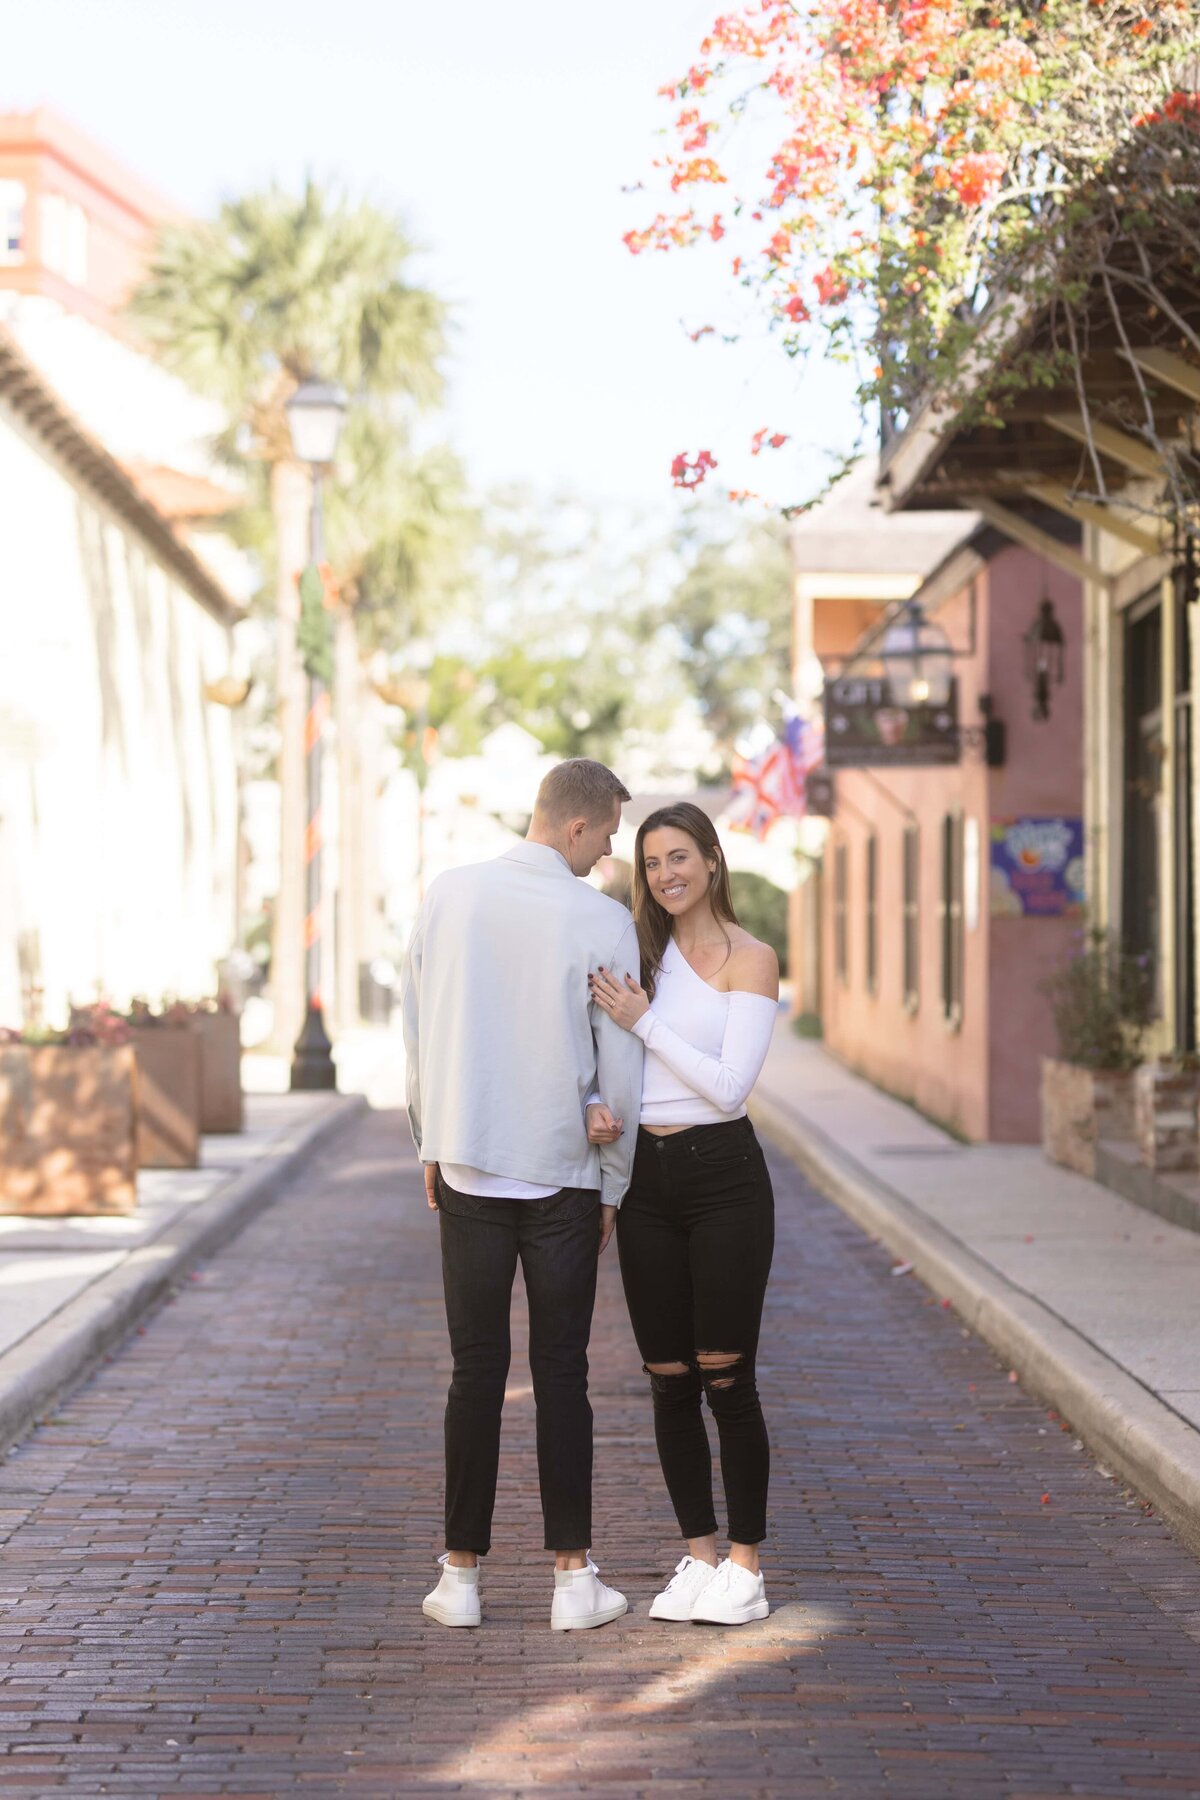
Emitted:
<point x="951" y="891"/>
<point x="1096" y="452"/>
<point x="118" y="792"/>
<point x="119" y="861"/>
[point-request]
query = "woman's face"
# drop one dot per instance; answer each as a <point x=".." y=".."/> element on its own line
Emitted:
<point x="677" y="874"/>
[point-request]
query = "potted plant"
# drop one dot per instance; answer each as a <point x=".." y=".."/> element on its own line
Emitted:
<point x="1103" y="1002"/>
<point x="218" y="1027"/>
<point x="68" y="1119"/>
<point x="1165" y="1097"/>
<point x="168" y="1060"/>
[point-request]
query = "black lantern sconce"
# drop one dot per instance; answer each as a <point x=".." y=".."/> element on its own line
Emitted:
<point x="917" y="657"/>
<point x="1045" y="657"/>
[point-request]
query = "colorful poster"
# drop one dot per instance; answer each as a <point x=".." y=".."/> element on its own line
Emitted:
<point x="1037" y="868"/>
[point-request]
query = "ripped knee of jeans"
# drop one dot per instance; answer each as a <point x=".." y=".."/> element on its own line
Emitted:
<point x="728" y="1378"/>
<point x="673" y="1383"/>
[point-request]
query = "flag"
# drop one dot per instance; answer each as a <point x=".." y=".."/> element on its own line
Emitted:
<point x="772" y="785"/>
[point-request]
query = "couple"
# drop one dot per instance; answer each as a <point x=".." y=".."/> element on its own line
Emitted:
<point x="547" y="1085"/>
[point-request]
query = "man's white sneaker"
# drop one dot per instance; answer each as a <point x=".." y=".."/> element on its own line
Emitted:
<point x="733" y="1597"/>
<point x="455" y="1599"/>
<point x="683" y="1590"/>
<point x="581" y="1600"/>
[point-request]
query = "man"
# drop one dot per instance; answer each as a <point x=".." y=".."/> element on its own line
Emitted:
<point x="504" y="1057"/>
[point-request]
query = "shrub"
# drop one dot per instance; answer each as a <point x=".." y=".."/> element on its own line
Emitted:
<point x="1103" y="1003"/>
<point x="762" y="908"/>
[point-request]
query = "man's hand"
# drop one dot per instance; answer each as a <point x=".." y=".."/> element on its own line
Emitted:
<point x="430" y="1182"/>
<point x="608" y="1218"/>
<point x="602" y="1127"/>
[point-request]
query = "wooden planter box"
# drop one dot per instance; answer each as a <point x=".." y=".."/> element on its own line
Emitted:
<point x="168" y="1062"/>
<point x="68" y="1130"/>
<point x="1080" y="1106"/>
<point x="221" y="1106"/>
<point x="1165" y="1117"/>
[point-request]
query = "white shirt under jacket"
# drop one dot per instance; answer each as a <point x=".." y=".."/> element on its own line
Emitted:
<point x="503" y="1047"/>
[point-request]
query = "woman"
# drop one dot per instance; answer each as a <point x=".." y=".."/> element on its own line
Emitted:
<point x="696" y="1230"/>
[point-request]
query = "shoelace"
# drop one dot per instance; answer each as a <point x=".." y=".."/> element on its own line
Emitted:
<point x="681" y="1569"/>
<point x="679" y="1579"/>
<point x="724" y="1575"/>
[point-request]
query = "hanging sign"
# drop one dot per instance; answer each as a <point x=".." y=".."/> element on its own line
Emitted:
<point x="821" y="793"/>
<point x="1037" y="868"/>
<point x="864" y="729"/>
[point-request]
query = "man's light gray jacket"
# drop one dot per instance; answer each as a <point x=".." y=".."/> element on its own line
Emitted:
<point x="503" y="1046"/>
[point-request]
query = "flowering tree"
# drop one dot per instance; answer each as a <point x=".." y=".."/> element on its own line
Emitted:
<point x="892" y="178"/>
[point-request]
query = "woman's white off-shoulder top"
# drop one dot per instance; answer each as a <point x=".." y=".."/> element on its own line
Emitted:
<point x="704" y="1049"/>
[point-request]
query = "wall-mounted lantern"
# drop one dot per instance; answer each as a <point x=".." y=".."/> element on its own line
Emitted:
<point x="1045" y="657"/>
<point x="917" y="659"/>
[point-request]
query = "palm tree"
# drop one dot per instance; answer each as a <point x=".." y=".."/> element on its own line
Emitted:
<point x="400" y="530"/>
<point x="275" y="290"/>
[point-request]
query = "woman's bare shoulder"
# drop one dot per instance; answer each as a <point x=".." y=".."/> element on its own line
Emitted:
<point x="753" y="967"/>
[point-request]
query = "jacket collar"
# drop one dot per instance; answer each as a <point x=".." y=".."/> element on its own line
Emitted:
<point x="540" y="856"/>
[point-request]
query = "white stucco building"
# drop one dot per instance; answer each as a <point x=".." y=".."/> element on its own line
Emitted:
<point x="118" y="791"/>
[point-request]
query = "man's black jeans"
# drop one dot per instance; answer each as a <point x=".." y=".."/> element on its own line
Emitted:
<point x="557" y="1241"/>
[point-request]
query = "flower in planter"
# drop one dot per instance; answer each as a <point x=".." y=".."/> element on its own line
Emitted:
<point x="175" y="1012"/>
<point x="90" y="1026"/>
<point x="95" y="1024"/>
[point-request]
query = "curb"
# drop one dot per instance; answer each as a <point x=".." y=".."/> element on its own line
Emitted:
<point x="57" y="1354"/>
<point x="1132" y="1431"/>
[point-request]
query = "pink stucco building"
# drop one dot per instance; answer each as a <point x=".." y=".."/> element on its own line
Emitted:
<point x="945" y="894"/>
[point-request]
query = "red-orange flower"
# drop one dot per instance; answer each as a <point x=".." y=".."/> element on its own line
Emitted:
<point x="687" y="473"/>
<point x="975" y="177"/>
<point x="831" y="286"/>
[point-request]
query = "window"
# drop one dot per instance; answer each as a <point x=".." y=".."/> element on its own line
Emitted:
<point x="841" y="934"/>
<point x="952" y="918"/>
<point x="12" y="222"/>
<point x="64" y="237"/>
<point x="872" y="914"/>
<point x="912" y="914"/>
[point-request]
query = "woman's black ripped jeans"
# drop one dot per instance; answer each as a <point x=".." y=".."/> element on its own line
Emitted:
<point x="695" y="1233"/>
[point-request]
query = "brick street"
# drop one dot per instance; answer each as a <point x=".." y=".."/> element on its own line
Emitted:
<point x="213" y="1556"/>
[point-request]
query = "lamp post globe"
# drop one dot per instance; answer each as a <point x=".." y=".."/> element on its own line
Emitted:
<point x="315" y="414"/>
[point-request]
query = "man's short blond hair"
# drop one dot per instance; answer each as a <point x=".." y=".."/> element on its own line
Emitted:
<point x="579" y="789"/>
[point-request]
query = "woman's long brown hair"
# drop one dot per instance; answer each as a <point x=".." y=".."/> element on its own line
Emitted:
<point x="653" y="921"/>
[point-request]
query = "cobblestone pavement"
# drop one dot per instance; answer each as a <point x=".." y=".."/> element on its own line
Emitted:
<point x="215" y="1555"/>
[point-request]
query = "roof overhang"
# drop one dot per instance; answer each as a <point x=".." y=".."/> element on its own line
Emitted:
<point x="26" y="394"/>
<point x="1078" y="448"/>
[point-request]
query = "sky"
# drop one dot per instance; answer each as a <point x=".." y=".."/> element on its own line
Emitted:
<point x="502" y="131"/>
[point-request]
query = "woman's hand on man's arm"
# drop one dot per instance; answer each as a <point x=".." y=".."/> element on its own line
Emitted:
<point x="624" y="1002"/>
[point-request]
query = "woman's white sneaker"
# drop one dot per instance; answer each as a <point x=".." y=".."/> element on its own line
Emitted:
<point x="733" y="1597"/>
<point x="683" y="1590"/>
<point x="455" y="1599"/>
<point x="581" y="1600"/>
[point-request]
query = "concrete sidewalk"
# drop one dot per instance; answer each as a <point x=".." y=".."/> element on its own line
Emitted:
<point x="1094" y="1302"/>
<point x="71" y="1288"/>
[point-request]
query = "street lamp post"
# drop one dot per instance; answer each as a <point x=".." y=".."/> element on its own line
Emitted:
<point x="315" y="414"/>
